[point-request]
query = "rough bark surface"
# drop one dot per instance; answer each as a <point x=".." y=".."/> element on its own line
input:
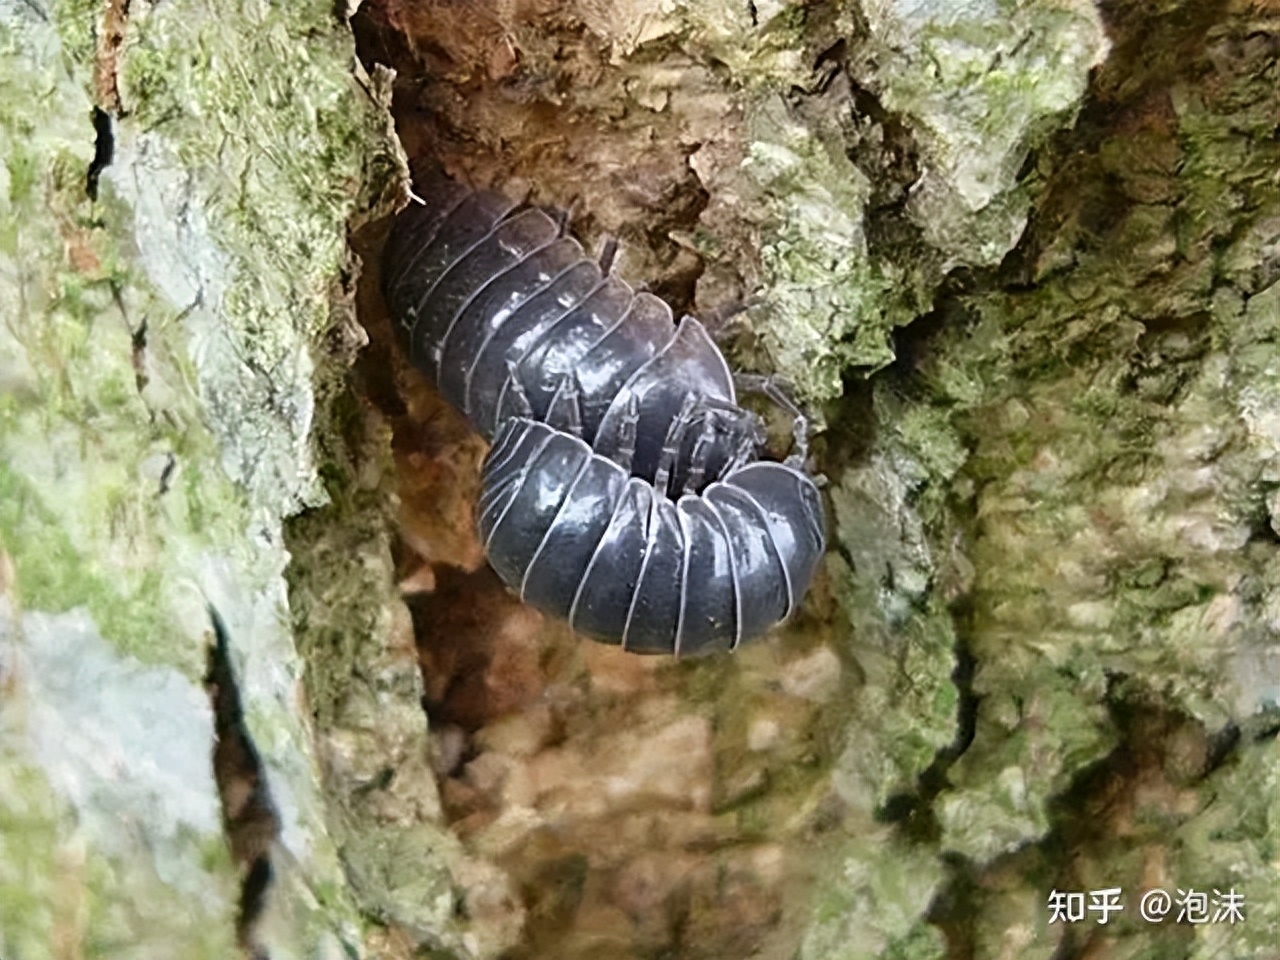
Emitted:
<point x="177" y="182"/>
<point x="1019" y="259"/>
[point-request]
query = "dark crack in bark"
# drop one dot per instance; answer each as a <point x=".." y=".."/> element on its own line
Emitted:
<point x="104" y="148"/>
<point x="914" y="811"/>
<point x="248" y="814"/>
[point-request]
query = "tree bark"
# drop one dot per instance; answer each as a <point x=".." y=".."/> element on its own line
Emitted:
<point x="1019" y="260"/>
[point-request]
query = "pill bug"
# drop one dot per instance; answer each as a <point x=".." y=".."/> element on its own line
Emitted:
<point x="623" y="490"/>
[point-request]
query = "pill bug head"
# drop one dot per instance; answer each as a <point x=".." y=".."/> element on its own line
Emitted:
<point x="719" y="438"/>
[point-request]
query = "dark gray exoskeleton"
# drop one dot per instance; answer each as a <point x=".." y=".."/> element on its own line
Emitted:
<point x="623" y="490"/>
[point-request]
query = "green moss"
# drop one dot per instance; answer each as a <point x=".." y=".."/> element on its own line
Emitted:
<point x="903" y="637"/>
<point x="1083" y="444"/>
<point x="129" y="607"/>
<point x="258" y="104"/>
<point x="365" y="690"/>
<point x="824" y="308"/>
<point x="1035" y="731"/>
<point x="404" y="871"/>
<point x="64" y="885"/>
<point x="872" y="906"/>
<point x="767" y="56"/>
<point x="77" y="413"/>
<point x="144" y="475"/>
<point x="22" y="167"/>
<point x="77" y="24"/>
<point x="920" y="942"/>
<point x="30" y="830"/>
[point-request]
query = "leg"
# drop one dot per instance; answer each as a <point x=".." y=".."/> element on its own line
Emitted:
<point x="671" y="445"/>
<point x="608" y="252"/>
<point x="565" y="410"/>
<point x="512" y="386"/>
<point x="698" y="460"/>
<point x="744" y="454"/>
<point x="799" y="442"/>
<point x="730" y="438"/>
<point x="770" y="388"/>
<point x="627" y="433"/>
<point x="562" y="216"/>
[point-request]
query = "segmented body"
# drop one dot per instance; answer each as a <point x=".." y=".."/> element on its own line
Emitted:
<point x="623" y="491"/>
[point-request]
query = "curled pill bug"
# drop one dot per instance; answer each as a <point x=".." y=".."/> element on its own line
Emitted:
<point x="623" y="491"/>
